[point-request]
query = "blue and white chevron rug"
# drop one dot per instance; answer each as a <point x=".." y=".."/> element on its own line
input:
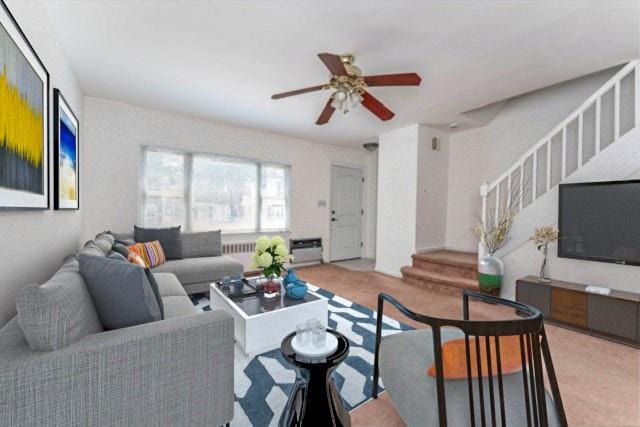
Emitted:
<point x="263" y="382"/>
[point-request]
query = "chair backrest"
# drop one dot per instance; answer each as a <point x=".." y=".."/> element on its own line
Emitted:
<point x="533" y="348"/>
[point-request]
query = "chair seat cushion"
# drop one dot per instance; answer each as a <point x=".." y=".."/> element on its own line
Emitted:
<point x="404" y="360"/>
<point x="198" y="270"/>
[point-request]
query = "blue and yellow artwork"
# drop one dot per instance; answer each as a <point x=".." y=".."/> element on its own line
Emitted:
<point x="23" y="121"/>
<point x="66" y="155"/>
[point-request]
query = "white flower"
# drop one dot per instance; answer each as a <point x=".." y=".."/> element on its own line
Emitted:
<point x="264" y="260"/>
<point x="282" y="251"/>
<point x="277" y="241"/>
<point x="262" y="244"/>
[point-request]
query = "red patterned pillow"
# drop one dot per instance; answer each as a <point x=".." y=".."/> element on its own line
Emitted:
<point x="151" y="253"/>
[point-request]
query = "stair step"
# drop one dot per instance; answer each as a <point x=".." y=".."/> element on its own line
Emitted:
<point x="451" y="263"/>
<point x="441" y="282"/>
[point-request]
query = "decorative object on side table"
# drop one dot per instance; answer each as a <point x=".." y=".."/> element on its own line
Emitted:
<point x="24" y="119"/>
<point x="314" y="399"/>
<point x="492" y="236"/>
<point x="270" y="255"/>
<point x="295" y="288"/>
<point x="542" y="237"/>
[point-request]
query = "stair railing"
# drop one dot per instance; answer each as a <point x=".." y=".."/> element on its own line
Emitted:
<point x="521" y="183"/>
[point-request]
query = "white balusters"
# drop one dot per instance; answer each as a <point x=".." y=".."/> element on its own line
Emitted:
<point x="594" y="101"/>
<point x="580" y="136"/>
<point x="616" y="111"/>
<point x="598" y="117"/>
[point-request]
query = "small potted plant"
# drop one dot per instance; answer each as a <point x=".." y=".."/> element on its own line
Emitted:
<point x="270" y="255"/>
<point x="541" y="237"/>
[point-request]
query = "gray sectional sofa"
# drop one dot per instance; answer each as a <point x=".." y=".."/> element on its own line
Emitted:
<point x="200" y="264"/>
<point x="59" y="367"/>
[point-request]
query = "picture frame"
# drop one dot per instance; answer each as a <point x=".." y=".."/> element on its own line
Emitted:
<point x="66" y="157"/>
<point x="24" y="130"/>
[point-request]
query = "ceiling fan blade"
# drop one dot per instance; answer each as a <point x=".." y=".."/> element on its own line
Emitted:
<point x="326" y="114"/>
<point x="297" y="92"/>
<point x="376" y="107"/>
<point x="333" y="63"/>
<point x="403" y="79"/>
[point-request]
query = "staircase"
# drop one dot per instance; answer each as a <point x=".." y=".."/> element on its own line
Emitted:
<point x="577" y="147"/>
<point x="446" y="271"/>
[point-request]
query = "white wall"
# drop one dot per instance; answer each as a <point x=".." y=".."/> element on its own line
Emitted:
<point x="114" y="133"/>
<point x="397" y="187"/>
<point x="482" y="154"/>
<point x="432" y="191"/>
<point x="35" y="242"/>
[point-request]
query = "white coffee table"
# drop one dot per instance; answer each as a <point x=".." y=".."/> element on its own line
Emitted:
<point x="260" y="324"/>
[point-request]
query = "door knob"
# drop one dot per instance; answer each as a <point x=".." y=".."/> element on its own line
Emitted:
<point x="334" y="219"/>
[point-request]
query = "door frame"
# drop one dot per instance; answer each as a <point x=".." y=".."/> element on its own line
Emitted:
<point x="363" y="169"/>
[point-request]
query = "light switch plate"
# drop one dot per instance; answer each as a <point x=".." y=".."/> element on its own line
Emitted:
<point x="322" y="203"/>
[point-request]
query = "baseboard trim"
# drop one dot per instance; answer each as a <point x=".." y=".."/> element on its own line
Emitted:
<point x="388" y="272"/>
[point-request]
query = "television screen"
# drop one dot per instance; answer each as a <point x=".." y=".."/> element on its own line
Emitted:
<point x="600" y="221"/>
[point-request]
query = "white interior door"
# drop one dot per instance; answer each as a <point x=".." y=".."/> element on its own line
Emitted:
<point x="346" y="213"/>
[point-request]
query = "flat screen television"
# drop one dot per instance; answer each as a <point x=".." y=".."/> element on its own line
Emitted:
<point x="600" y="221"/>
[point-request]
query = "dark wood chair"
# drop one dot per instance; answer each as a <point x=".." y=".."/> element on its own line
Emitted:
<point x="515" y="399"/>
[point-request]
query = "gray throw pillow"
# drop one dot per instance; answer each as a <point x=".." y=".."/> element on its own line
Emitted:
<point x="121" y="249"/>
<point x="169" y="238"/>
<point x="125" y="239"/>
<point x="57" y="313"/>
<point x="90" y="248"/>
<point x="117" y="256"/>
<point x="201" y="244"/>
<point x="120" y="291"/>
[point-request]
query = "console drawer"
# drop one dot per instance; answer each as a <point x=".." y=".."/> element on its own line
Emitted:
<point x="569" y="307"/>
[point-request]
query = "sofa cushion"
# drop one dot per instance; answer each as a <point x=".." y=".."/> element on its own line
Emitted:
<point x="59" y="312"/>
<point x="125" y="239"/>
<point x="169" y="238"/>
<point x="198" y="270"/>
<point x="120" y="291"/>
<point x="175" y="306"/>
<point x="201" y="244"/>
<point x="168" y="285"/>
<point x="91" y="248"/>
<point x="121" y="249"/>
<point x="156" y="290"/>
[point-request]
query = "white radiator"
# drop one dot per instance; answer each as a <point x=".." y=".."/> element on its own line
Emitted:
<point x="242" y="252"/>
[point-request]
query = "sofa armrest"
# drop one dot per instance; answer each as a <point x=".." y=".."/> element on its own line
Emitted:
<point x="172" y="372"/>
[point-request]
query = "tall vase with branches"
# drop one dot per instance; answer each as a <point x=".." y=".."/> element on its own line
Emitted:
<point x="493" y="233"/>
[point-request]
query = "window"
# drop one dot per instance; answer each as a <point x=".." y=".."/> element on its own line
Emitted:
<point x="209" y="192"/>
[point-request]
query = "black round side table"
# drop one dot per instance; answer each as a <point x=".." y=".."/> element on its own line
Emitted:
<point x="314" y="400"/>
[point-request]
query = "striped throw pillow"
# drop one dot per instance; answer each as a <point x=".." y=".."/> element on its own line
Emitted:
<point x="151" y="253"/>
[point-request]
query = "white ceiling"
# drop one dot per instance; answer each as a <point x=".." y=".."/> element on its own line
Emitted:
<point x="221" y="60"/>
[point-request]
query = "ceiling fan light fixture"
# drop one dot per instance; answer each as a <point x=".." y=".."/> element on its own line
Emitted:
<point x="356" y="98"/>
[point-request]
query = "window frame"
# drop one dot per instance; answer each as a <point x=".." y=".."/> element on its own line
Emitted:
<point x="188" y="157"/>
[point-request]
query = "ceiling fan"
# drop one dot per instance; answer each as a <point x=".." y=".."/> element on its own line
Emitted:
<point x="351" y="87"/>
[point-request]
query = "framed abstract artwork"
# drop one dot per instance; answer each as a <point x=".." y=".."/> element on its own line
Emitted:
<point x="66" y="142"/>
<point x="24" y="123"/>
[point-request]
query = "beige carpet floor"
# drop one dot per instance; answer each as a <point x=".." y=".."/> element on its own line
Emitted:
<point x="599" y="380"/>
